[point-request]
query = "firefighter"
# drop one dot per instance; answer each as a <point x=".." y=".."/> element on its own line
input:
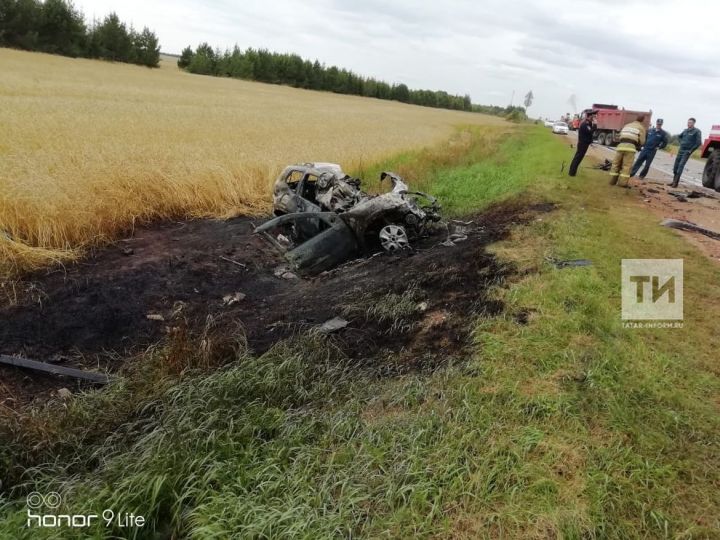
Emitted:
<point x="632" y="137"/>
<point x="657" y="139"/>
<point x="690" y="140"/>
<point x="585" y="137"/>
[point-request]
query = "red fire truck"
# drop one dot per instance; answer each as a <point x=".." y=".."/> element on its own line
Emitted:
<point x="711" y="150"/>
<point x="611" y="119"/>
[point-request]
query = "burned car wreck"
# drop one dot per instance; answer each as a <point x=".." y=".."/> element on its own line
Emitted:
<point x="323" y="218"/>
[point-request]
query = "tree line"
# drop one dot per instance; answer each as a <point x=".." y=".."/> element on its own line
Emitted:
<point x="57" y="27"/>
<point x="290" y="69"/>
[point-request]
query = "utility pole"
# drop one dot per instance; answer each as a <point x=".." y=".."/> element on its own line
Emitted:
<point x="512" y="99"/>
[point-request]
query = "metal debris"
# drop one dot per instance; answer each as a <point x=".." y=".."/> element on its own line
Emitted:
<point x="332" y="325"/>
<point x="230" y="299"/>
<point x="572" y="263"/>
<point x="605" y="166"/>
<point x="678" y="195"/>
<point x="688" y="226"/>
<point x="241" y="265"/>
<point x="284" y="273"/>
<point x="100" y="378"/>
<point x="457" y="231"/>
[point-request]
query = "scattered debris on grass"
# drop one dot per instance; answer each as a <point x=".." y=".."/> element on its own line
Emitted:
<point x="332" y="325"/>
<point x="230" y="299"/>
<point x="569" y="263"/>
<point x="45" y="367"/>
<point x="605" y="166"/>
<point x="688" y="226"/>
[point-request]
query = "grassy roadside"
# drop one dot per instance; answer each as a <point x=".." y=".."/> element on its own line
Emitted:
<point x="627" y="420"/>
<point x="563" y="424"/>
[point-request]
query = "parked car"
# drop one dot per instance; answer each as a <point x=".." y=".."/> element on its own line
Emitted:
<point x="549" y="123"/>
<point x="561" y="128"/>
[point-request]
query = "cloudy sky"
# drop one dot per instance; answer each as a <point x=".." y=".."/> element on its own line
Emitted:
<point x="640" y="54"/>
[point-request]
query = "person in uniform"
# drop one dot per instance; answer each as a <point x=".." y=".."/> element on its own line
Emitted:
<point x="632" y="137"/>
<point x="585" y="138"/>
<point x="690" y="140"/>
<point x="657" y="139"/>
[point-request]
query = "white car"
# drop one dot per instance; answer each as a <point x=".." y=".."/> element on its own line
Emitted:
<point x="560" y="127"/>
<point x="549" y="123"/>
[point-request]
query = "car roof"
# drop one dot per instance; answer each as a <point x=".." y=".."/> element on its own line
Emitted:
<point x="315" y="169"/>
<point x="324" y="166"/>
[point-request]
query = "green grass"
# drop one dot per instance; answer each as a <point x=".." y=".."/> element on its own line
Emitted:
<point x="568" y="426"/>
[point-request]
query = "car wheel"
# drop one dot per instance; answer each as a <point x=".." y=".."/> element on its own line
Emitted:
<point x="711" y="173"/>
<point x="608" y="139"/>
<point x="601" y="139"/>
<point x="393" y="238"/>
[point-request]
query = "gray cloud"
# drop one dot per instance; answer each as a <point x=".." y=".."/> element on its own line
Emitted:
<point x="658" y="54"/>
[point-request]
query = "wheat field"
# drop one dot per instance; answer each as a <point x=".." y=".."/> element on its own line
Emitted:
<point x="90" y="148"/>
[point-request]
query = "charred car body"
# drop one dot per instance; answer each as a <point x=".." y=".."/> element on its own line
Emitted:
<point x="324" y="218"/>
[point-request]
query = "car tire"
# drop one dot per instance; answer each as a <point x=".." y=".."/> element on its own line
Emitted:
<point x="608" y="139"/>
<point x="601" y="139"/>
<point x="393" y="238"/>
<point x="711" y="173"/>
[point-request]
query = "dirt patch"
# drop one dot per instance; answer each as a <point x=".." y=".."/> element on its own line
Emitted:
<point x="121" y="299"/>
<point x="703" y="211"/>
<point x="655" y="195"/>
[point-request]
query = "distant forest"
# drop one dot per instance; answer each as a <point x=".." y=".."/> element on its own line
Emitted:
<point x="292" y="70"/>
<point x="57" y="27"/>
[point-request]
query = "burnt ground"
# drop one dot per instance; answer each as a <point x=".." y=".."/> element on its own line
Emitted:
<point x="121" y="299"/>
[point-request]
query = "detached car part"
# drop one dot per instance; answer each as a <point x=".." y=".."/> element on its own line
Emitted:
<point x="333" y="243"/>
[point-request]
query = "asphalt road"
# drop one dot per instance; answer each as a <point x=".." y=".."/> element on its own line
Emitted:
<point x="662" y="165"/>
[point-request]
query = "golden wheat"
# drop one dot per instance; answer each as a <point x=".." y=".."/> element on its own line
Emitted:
<point x="89" y="148"/>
